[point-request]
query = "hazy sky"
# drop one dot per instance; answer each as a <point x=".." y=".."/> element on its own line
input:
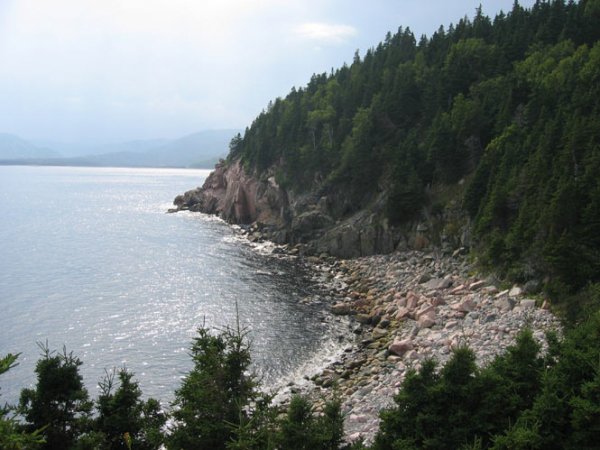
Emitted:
<point x="113" y="70"/>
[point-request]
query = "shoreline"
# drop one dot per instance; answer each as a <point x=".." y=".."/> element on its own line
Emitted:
<point x="399" y="309"/>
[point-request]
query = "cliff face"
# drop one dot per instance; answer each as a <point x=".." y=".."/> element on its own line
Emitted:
<point x="237" y="197"/>
<point x="287" y="217"/>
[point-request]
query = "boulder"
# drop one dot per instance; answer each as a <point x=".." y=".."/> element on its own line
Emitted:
<point x="527" y="303"/>
<point x="505" y="304"/>
<point x="412" y="300"/>
<point x="438" y="284"/>
<point x="400" y="347"/>
<point x="425" y="310"/>
<point x="476" y="285"/>
<point x="311" y="220"/>
<point x="515" y="291"/>
<point x="465" y="305"/>
<point x="426" y="321"/>
<point x="402" y="313"/>
<point x="341" y="309"/>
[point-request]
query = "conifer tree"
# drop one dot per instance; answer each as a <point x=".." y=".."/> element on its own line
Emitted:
<point x="214" y="393"/>
<point x="59" y="405"/>
<point x="11" y="436"/>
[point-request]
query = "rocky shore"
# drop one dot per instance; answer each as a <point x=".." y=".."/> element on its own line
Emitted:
<point x="399" y="309"/>
<point x="404" y="307"/>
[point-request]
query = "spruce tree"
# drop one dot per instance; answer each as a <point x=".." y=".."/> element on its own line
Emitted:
<point x="214" y="394"/>
<point x="59" y="405"/>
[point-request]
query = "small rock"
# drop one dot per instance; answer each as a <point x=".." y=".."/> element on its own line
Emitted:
<point x="458" y="289"/>
<point x="426" y="321"/>
<point x="515" y="291"/>
<point x="438" y="284"/>
<point x="424" y="278"/>
<point x="363" y="318"/>
<point x="465" y="305"/>
<point x="527" y="303"/>
<point x="426" y="310"/>
<point x="412" y="301"/>
<point x="341" y="309"/>
<point x="476" y="285"/>
<point x="490" y="290"/>
<point x="384" y="322"/>
<point x="378" y="333"/>
<point x="400" y="347"/>
<point x="546" y="305"/>
<point x="459" y="251"/>
<point x="505" y="304"/>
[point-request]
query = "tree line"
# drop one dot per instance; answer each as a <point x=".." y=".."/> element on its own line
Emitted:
<point x="508" y="105"/>
<point x="522" y="399"/>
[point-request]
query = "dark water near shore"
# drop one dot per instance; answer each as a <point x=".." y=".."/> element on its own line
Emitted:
<point x="90" y="260"/>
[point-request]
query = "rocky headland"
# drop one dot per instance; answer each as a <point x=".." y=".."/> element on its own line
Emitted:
<point x="324" y="220"/>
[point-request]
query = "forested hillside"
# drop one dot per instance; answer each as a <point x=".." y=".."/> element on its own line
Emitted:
<point x="507" y="106"/>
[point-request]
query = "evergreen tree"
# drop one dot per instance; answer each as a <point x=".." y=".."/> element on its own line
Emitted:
<point x="302" y="430"/>
<point x="214" y="394"/>
<point x="124" y="418"/>
<point x="59" y="405"/>
<point x="11" y="436"/>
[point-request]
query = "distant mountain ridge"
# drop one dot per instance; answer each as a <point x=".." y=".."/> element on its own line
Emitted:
<point x="13" y="147"/>
<point x="201" y="149"/>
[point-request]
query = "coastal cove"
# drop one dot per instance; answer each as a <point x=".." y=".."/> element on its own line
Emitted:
<point x="91" y="261"/>
<point x="405" y="308"/>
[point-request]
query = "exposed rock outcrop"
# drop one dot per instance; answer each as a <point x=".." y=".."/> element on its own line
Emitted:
<point x="284" y="216"/>
<point x="237" y="197"/>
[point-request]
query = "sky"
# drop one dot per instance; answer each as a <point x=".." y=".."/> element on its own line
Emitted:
<point x="101" y="71"/>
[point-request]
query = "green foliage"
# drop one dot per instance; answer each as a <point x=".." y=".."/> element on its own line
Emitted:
<point x="123" y="416"/>
<point x="461" y="405"/>
<point x="212" y="397"/>
<point x="59" y="405"/>
<point x="256" y="430"/>
<point x="11" y="436"/>
<point x="518" y="401"/>
<point x="302" y="430"/>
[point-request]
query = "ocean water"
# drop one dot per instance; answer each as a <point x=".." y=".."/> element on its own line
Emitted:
<point x="90" y="261"/>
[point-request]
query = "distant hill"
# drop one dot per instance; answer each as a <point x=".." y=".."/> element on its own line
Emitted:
<point x="201" y="150"/>
<point x="192" y="150"/>
<point x="13" y="147"/>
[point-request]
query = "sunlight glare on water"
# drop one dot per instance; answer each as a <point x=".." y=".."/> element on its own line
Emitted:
<point x="90" y="260"/>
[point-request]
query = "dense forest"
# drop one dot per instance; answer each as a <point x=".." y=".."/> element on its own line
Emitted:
<point x="508" y="107"/>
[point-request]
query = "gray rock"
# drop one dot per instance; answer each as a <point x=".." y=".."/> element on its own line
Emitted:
<point x="438" y="283"/>
<point x="515" y="291"/>
<point x="341" y="309"/>
<point x="504" y="304"/>
<point x="309" y="221"/>
<point x="527" y="303"/>
<point x="424" y="278"/>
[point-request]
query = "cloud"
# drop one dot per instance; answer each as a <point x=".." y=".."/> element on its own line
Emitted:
<point x="328" y="33"/>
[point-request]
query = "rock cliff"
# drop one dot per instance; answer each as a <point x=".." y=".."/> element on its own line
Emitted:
<point x="237" y="197"/>
<point x="318" y="218"/>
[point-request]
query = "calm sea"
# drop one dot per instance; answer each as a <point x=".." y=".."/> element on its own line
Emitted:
<point x="89" y="260"/>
